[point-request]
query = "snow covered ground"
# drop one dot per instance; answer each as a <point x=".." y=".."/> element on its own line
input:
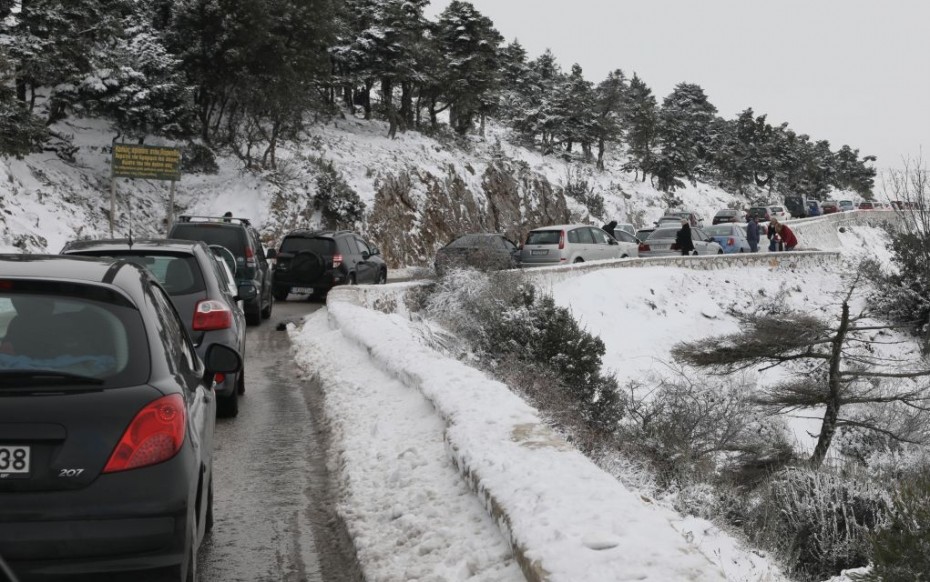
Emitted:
<point x="408" y="423"/>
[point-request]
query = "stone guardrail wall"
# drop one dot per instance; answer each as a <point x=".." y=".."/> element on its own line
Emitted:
<point x="820" y="232"/>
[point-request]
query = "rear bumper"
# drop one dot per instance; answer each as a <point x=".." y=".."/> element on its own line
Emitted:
<point x="285" y="280"/>
<point x="134" y="520"/>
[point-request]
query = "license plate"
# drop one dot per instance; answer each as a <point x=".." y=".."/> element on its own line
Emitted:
<point x="539" y="252"/>
<point x="14" y="460"/>
<point x="302" y="290"/>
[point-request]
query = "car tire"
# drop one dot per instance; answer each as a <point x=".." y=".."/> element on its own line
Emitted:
<point x="266" y="313"/>
<point x="382" y="277"/>
<point x="307" y="267"/>
<point x="240" y="383"/>
<point x="228" y="406"/>
<point x="351" y="280"/>
<point x="578" y="260"/>
<point x="280" y="294"/>
<point x="208" y="518"/>
<point x="720" y="252"/>
<point x="253" y="315"/>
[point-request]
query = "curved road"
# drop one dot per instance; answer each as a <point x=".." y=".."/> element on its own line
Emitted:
<point x="273" y="513"/>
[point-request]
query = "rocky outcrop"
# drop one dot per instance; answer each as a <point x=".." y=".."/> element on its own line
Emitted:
<point x="416" y="212"/>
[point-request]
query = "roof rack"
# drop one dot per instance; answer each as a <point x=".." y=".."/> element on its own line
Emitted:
<point x="232" y="219"/>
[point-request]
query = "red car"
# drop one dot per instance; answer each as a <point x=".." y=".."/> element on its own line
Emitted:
<point x="830" y="206"/>
<point x="866" y="206"/>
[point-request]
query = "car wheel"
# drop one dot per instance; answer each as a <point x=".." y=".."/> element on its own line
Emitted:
<point x="720" y="252"/>
<point x="240" y="383"/>
<point x="228" y="406"/>
<point x="280" y="294"/>
<point x="266" y="313"/>
<point x="253" y="314"/>
<point x="578" y="260"/>
<point x="208" y="519"/>
<point x="307" y="267"/>
<point x="351" y="280"/>
<point x="382" y="277"/>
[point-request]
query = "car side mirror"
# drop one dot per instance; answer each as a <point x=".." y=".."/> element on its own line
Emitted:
<point x="366" y="255"/>
<point x="247" y="292"/>
<point x="271" y="254"/>
<point x="710" y="240"/>
<point x="221" y="359"/>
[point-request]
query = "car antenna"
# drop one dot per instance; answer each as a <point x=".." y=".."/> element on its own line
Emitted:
<point x="129" y="205"/>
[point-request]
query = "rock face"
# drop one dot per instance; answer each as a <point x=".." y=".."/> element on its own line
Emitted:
<point x="416" y="212"/>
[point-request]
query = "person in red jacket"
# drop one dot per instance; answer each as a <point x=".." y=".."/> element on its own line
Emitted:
<point x="787" y="236"/>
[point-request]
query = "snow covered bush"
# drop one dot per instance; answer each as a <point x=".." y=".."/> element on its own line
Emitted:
<point x="510" y="328"/>
<point x="901" y="549"/>
<point x="693" y="430"/>
<point x="198" y="159"/>
<point x="339" y="204"/>
<point x="818" y="521"/>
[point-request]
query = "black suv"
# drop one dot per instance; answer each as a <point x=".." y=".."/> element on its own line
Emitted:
<point x="311" y="262"/>
<point x="237" y="235"/>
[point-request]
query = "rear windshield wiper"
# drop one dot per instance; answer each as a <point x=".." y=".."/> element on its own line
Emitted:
<point x="16" y="378"/>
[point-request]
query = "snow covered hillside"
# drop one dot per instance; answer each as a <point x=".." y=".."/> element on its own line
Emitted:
<point x="418" y="191"/>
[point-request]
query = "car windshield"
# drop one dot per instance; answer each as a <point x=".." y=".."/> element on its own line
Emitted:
<point x="233" y="238"/>
<point x="318" y="245"/>
<point x="89" y="335"/>
<point x="727" y="213"/>
<point x="720" y="230"/>
<point x="474" y="241"/>
<point x="544" y="237"/>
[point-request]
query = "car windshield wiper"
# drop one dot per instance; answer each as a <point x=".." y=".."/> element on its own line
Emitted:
<point x="15" y="378"/>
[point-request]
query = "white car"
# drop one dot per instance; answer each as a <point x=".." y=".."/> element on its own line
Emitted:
<point x="565" y="244"/>
<point x="779" y="213"/>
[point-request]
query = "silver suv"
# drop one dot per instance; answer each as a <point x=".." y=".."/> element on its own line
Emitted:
<point x="573" y="243"/>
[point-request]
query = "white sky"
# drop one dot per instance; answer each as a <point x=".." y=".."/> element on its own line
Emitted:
<point x="852" y="72"/>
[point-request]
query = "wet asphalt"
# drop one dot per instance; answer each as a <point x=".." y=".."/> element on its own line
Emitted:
<point x="273" y="506"/>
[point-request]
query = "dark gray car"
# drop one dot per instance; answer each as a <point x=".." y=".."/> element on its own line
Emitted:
<point x="190" y="274"/>
<point x="483" y="251"/>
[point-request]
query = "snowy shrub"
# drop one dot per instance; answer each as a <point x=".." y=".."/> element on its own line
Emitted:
<point x="692" y="430"/>
<point x="508" y="322"/>
<point x="578" y="187"/>
<point x="818" y="522"/>
<point x="339" y="204"/>
<point x="901" y="549"/>
<point x="198" y="159"/>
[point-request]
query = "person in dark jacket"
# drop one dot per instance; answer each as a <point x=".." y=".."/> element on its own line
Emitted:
<point x="752" y="234"/>
<point x="610" y="228"/>
<point x="683" y="238"/>
<point x="772" y="234"/>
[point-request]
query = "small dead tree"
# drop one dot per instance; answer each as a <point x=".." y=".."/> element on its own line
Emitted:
<point x="833" y="364"/>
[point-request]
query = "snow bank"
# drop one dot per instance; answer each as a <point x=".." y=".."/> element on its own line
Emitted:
<point x="567" y="520"/>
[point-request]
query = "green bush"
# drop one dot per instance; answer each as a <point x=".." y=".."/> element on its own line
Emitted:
<point x="339" y="204"/>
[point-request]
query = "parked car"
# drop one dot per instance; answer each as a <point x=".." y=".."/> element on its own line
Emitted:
<point x="814" y="208"/>
<point x="761" y="213"/>
<point x="779" y="213"/>
<point x="798" y="205"/>
<point x="243" y="241"/>
<point x="311" y="262"/>
<point x="572" y="243"/>
<point x="484" y="251"/>
<point x="661" y="243"/>
<point x="830" y="206"/>
<point x="730" y="237"/>
<point x="205" y="300"/>
<point x="728" y="215"/>
<point x="626" y="227"/>
<point x="693" y="218"/>
<point x="866" y="205"/>
<point x="846" y="205"/>
<point x="107" y="416"/>
<point x="643" y="233"/>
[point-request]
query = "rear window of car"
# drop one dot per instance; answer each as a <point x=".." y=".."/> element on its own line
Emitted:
<point x="74" y="330"/>
<point x="473" y="241"/>
<point x="664" y="233"/>
<point x="179" y="274"/>
<point x="544" y="237"/>
<point x="320" y="246"/>
<point x="727" y="213"/>
<point x="718" y="230"/>
<point x="778" y="209"/>
<point x="233" y="238"/>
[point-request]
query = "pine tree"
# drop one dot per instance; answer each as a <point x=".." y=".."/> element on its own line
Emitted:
<point x="469" y="43"/>
<point x="610" y="108"/>
<point x="684" y="135"/>
<point x="21" y="132"/>
<point x="640" y="119"/>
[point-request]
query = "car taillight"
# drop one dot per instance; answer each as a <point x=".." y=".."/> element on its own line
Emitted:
<point x="249" y="257"/>
<point x="562" y="240"/>
<point x="154" y="435"/>
<point x="731" y="241"/>
<point x="219" y="377"/>
<point x="674" y="246"/>
<point x="210" y="315"/>
<point x="337" y="260"/>
<point x="644" y="247"/>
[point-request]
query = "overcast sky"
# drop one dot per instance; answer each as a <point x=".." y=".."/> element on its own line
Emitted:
<point x="853" y="72"/>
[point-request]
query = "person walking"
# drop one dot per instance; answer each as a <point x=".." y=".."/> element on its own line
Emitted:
<point x="752" y="234"/>
<point x="610" y="228"/>
<point x="683" y="238"/>
<point x="787" y="237"/>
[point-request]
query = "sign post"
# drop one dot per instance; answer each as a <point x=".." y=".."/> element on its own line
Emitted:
<point x="148" y="162"/>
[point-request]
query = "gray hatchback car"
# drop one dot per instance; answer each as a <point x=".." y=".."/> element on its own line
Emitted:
<point x="573" y="243"/>
<point x="200" y="292"/>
